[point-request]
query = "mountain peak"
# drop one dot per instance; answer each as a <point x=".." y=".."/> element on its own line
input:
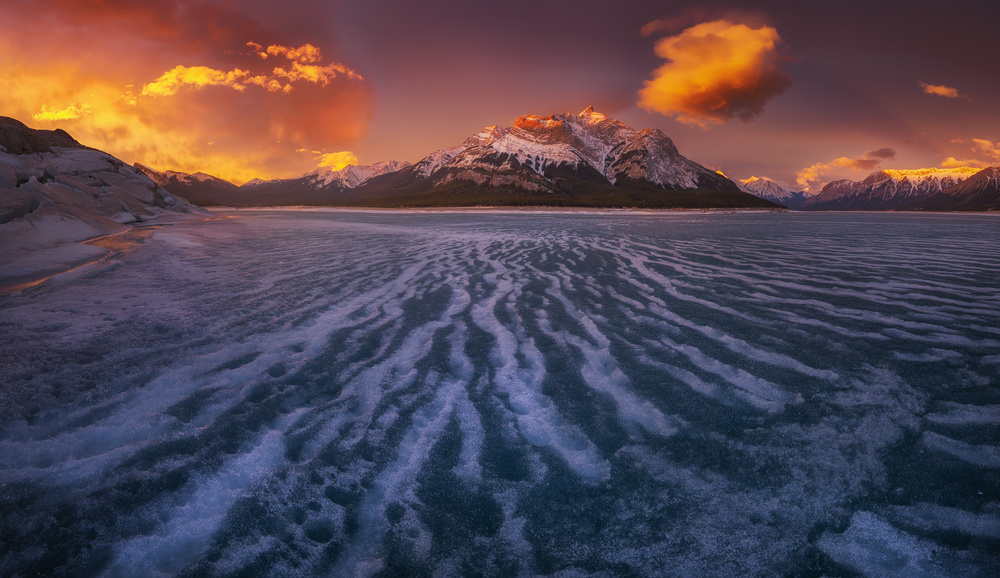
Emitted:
<point x="352" y="176"/>
<point x="17" y="139"/>
<point x="592" y="115"/>
<point x="543" y="148"/>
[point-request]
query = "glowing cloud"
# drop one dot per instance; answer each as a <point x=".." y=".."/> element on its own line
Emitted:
<point x="953" y="163"/>
<point x="338" y="160"/>
<point x="196" y="76"/>
<point x="940" y="90"/>
<point x="305" y="53"/>
<point x="717" y="71"/>
<point x="201" y="76"/>
<point x="321" y="75"/>
<point x="987" y="148"/>
<point x="811" y="175"/>
<point x="174" y="85"/>
<point x="981" y="146"/>
<point x="70" y="112"/>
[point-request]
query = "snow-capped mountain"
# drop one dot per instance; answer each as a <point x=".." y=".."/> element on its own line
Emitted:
<point x="321" y="186"/>
<point x="588" y="140"/>
<point x="586" y="159"/>
<point x="765" y="188"/>
<point x="199" y="188"/>
<point x="980" y="192"/>
<point x="352" y="176"/>
<point x="886" y="189"/>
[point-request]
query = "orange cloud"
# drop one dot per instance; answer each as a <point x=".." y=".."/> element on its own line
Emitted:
<point x="981" y="146"/>
<point x="338" y="160"/>
<point x="196" y="76"/>
<point x="952" y="162"/>
<point x="306" y="53"/>
<point x="988" y="148"/>
<point x="321" y="75"/>
<point x="717" y="71"/>
<point x="107" y="72"/>
<point x="201" y="76"/>
<point x="809" y="178"/>
<point x="940" y="90"/>
<point x="69" y="112"/>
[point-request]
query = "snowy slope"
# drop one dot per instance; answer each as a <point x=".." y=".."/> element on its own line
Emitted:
<point x="352" y="176"/>
<point x="199" y="188"/>
<point x="589" y="139"/>
<point x="980" y="192"/>
<point x="765" y="188"/>
<point x="54" y="192"/>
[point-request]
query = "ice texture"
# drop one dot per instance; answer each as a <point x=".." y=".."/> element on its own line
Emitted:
<point x="362" y="393"/>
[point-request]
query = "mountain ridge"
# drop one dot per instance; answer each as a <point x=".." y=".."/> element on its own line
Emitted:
<point x="886" y="189"/>
<point x="586" y="160"/>
<point x="979" y="192"/>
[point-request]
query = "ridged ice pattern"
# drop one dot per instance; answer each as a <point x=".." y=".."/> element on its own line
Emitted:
<point x="348" y="393"/>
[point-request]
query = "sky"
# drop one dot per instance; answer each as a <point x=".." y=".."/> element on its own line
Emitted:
<point x="800" y="92"/>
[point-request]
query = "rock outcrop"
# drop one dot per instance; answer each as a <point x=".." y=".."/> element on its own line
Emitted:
<point x="55" y="192"/>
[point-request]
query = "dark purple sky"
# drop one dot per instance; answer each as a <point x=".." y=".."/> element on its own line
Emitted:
<point x="825" y="89"/>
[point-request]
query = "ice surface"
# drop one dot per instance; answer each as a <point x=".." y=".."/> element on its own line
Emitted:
<point x="873" y="547"/>
<point x="324" y="392"/>
<point x="987" y="456"/>
<point x="965" y="414"/>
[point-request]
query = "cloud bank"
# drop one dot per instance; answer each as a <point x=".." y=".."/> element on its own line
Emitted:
<point x="987" y="150"/>
<point x="190" y="85"/>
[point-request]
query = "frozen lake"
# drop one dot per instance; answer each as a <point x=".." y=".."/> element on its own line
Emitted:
<point x="364" y="393"/>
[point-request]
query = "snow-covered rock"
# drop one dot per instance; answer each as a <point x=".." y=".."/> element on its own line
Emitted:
<point x="55" y="192"/>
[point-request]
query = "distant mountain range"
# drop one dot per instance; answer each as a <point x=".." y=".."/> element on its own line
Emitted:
<point x="198" y="188"/>
<point x="584" y="160"/>
<point x="911" y="190"/>
<point x="980" y="192"/>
